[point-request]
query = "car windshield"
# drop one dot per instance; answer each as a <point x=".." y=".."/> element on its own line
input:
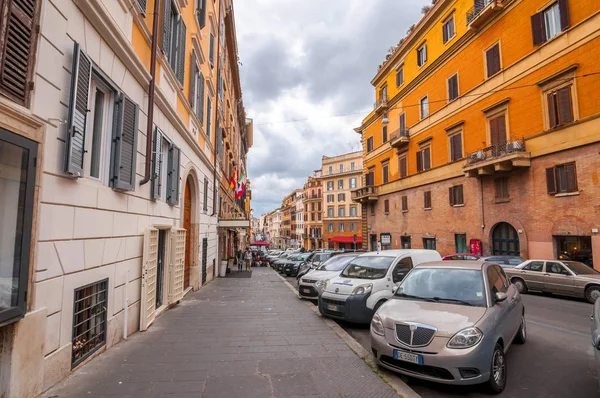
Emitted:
<point x="321" y="257"/>
<point x="369" y="267"/>
<point x="580" y="268"/>
<point x="444" y="285"/>
<point x="303" y="257"/>
<point x="337" y="263"/>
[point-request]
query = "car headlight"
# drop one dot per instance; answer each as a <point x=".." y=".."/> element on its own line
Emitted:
<point x="363" y="289"/>
<point x="466" y="338"/>
<point x="322" y="284"/>
<point x="377" y="325"/>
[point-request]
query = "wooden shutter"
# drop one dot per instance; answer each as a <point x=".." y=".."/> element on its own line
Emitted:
<point x="571" y="175"/>
<point x="81" y="73"/>
<point x="124" y="143"/>
<point x="200" y="97"/>
<point x="149" y="268"/>
<point x="460" y="199"/>
<point x="426" y="158"/>
<point x="156" y="164"/>
<point x="18" y="39"/>
<point x="193" y="80"/>
<point x="177" y="265"/>
<point x="142" y="4"/>
<point x="181" y="42"/>
<point x="384" y="134"/>
<point x="457" y="146"/>
<point x="427" y="199"/>
<point x="405" y="203"/>
<point x="565" y="109"/>
<point x="201" y="13"/>
<point x="445" y="32"/>
<point x="552" y="111"/>
<point x="386" y="206"/>
<point x="538" y="29"/>
<point x="451" y="195"/>
<point x="208" y="116"/>
<point x="402" y="166"/>
<point x="402" y="123"/>
<point x="211" y="50"/>
<point x="563" y="7"/>
<point x="420" y="161"/>
<point x="551" y="180"/>
<point x="173" y="176"/>
<point x="424" y="53"/>
<point x="165" y="37"/>
<point x="492" y="57"/>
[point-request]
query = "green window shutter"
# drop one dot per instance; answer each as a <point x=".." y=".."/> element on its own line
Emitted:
<point x="200" y="98"/>
<point x="193" y="79"/>
<point x="124" y="143"/>
<point x="181" y="36"/>
<point x="173" y="176"/>
<point x="208" y="117"/>
<point x="165" y="38"/>
<point x="81" y="74"/>
<point x="156" y="164"/>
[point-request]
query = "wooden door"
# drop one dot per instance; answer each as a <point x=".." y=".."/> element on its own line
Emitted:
<point x="187" y="225"/>
<point x="149" y="268"/>
<point x="498" y="135"/>
<point x="177" y="272"/>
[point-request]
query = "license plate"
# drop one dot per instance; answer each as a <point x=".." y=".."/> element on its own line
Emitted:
<point x="305" y="290"/>
<point x="332" y="307"/>
<point x="408" y="357"/>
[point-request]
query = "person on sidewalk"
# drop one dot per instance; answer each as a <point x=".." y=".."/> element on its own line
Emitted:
<point x="248" y="258"/>
<point x="240" y="259"/>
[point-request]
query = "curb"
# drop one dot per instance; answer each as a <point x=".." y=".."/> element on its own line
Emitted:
<point x="392" y="379"/>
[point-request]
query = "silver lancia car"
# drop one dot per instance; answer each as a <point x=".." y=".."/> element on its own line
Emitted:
<point x="450" y="322"/>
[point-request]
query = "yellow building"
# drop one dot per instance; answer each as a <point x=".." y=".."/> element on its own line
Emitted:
<point x="485" y="132"/>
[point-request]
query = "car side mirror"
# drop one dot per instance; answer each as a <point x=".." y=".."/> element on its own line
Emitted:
<point x="500" y="297"/>
<point x="395" y="289"/>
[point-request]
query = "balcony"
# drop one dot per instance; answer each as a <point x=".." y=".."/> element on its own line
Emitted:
<point x="399" y="139"/>
<point x="381" y="103"/>
<point x="482" y="11"/>
<point x="495" y="158"/>
<point x="365" y="194"/>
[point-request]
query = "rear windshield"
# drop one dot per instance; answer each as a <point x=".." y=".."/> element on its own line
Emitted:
<point x="580" y="268"/>
<point x="336" y="263"/>
<point x="369" y="267"/>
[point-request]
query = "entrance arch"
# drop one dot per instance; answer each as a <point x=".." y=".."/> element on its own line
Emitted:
<point x="505" y="240"/>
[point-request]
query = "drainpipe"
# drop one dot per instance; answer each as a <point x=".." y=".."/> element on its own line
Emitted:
<point x="150" y="124"/>
<point x="482" y="213"/>
<point x="217" y="110"/>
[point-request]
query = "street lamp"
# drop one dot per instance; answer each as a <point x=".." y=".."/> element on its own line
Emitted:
<point x="385" y="119"/>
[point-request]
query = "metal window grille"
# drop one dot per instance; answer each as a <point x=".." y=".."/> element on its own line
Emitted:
<point x="89" y="320"/>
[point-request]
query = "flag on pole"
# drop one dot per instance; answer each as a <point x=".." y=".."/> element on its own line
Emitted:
<point x="233" y="179"/>
<point x="239" y="191"/>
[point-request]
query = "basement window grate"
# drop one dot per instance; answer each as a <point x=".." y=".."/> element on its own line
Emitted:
<point x="89" y="320"/>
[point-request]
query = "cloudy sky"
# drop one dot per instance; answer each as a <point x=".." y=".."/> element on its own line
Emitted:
<point x="306" y="61"/>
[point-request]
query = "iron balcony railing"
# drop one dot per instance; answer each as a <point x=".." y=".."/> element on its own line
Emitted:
<point x="497" y="151"/>
<point x="477" y="8"/>
<point x="380" y="102"/>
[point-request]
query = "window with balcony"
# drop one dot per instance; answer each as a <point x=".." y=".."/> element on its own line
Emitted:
<point x="422" y="55"/>
<point x="456" y="146"/>
<point x="369" y="144"/>
<point x="383" y="94"/>
<point x="340" y="184"/>
<point x="342" y="211"/>
<point x="548" y="23"/>
<point x="330" y="185"/>
<point x="453" y="87"/>
<point x="562" y="179"/>
<point x="370" y="176"/>
<point x="456" y="195"/>
<point x="352" y="182"/>
<point x="341" y="197"/>
<point x="427" y="200"/>
<point x="385" y="174"/>
<point x="492" y="60"/>
<point x="384" y="134"/>
<point x="497" y="128"/>
<point x="501" y="187"/>
<point x="560" y="107"/>
<point x="448" y="30"/>
<point x="424" y="107"/>
<point x="386" y="206"/>
<point x="399" y="76"/>
<point x="424" y="159"/>
<point x="404" y="201"/>
<point x="402" y="123"/>
<point x="353" y="211"/>
<point x="402" y="165"/>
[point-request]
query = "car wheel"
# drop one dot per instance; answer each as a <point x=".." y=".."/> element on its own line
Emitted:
<point x="379" y="304"/>
<point x="520" y="285"/>
<point x="592" y="293"/>
<point x="497" y="380"/>
<point x="522" y="333"/>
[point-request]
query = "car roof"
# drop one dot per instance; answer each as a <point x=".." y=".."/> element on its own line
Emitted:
<point x="346" y="254"/>
<point x="397" y="252"/>
<point x="460" y="264"/>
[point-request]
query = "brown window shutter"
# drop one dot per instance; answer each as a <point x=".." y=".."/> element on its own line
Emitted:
<point x="538" y="29"/>
<point x="493" y="60"/>
<point x="565" y="110"/>
<point x="405" y="203"/>
<point x="426" y="158"/>
<point x="571" y="173"/>
<point x="420" y="161"/>
<point x="563" y="6"/>
<point x="403" y="167"/>
<point x="489" y="58"/>
<point x="460" y="198"/>
<point x="193" y="80"/>
<point x="402" y="122"/>
<point x="552" y="110"/>
<point x="451" y="195"/>
<point x="386" y="206"/>
<point x="551" y="180"/>
<point x="444" y="33"/>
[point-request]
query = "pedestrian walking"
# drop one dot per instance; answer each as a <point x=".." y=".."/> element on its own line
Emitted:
<point x="240" y="259"/>
<point x="248" y="258"/>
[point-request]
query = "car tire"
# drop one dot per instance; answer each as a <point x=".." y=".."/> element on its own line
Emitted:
<point x="379" y="304"/>
<point x="498" y="368"/>
<point x="520" y="285"/>
<point x="592" y="293"/>
<point x="521" y="337"/>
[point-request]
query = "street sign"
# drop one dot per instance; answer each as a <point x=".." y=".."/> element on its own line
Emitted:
<point x="386" y="239"/>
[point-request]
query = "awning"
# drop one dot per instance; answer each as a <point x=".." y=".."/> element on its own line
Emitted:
<point x="346" y="239"/>
<point x="234" y="224"/>
<point x="259" y="243"/>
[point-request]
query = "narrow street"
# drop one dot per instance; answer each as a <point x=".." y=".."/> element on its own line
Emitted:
<point x="557" y="360"/>
<point x="237" y="337"/>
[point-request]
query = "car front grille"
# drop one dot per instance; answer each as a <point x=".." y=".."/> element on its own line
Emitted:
<point x="431" y="371"/>
<point x="309" y="280"/>
<point x="420" y="336"/>
<point x="308" y="291"/>
<point x="341" y="306"/>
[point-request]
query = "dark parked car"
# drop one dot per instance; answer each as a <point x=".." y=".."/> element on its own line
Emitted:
<point x="504" y="261"/>
<point x="291" y="267"/>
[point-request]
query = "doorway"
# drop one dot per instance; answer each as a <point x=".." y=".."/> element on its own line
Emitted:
<point x="187" y="225"/>
<point x="373" y="243"/>
<point x="405" y="242"/>
<point x="160" y="267"/>
<point x="505" y="240"/>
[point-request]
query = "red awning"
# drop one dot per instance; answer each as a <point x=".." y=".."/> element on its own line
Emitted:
<point x="259" y="243"/>
<point x="346" y="239"/>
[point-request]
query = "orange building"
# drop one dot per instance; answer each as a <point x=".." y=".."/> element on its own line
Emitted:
<point x="485" y="131"/>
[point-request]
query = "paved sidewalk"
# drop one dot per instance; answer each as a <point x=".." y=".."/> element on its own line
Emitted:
<point x="236" y="337"/>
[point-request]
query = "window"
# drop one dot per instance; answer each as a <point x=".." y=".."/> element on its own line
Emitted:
<point x="383" y="94"/>
<point x="102" y="125"/>
<point x="427" y="199"/>
<point x="211" y="51"/>
<point x="501" y="185"/>
<point x="424" y="159"/>
<point x="455" y="142"/>
<point x="370" y="177"/>
<point x="330" y="212"/>
<point x="402" y="124"/>
<point x="496" y="282"/>
<point x="372" y="208"/>
<point x="330" y="170"/>
<point x="342" y="227"/>
<point x="352" y="166"/>
<point x="460" y="243"/>
<point x="165" y="166"/>
<point x="456" y="195"/>
<point x="330" y="199"/>
<point x="352" y="182"/>
<point x="369" y="144"/>
<point x="89" y="320"/>
<point x="386" y="206"/>
<point x="384" y="136"/>
<point x="17" y="190"/>
<point x="560" y="107"/>
<point x="402" y="165"/>
<point x="404" y="203"/>
<point x="497" y="126"/>
<point x="200" y="13"/>
<point x="492" y="60"/>
<point x="342" y="211"/>
<point x="562" y="178"/>
<point x="453" y="87"/>
<point x="312" y="216"/>
<point x="341" y="197"/>
<point x="352" y="227"/>
<point x="353" y="211"/>
<point x="318" y="216"/>
<point x="385" y="172"/>
<point x="550" y="22"/>
<point x="330" y="185"/>
<point x="173" y="38"/>
<point x="535" y="266"/>
<point x="556" y="268"/>
<point x="448" y="29"/>
<point x="424" y="107"/>
<point x="399" y="76"/>
<point x="429" y="243"/>
<point x="330" y="228"/>
<point x="312" y="206"/>
<point x="340" y="184"/>
<point x="341" y="168"/>
<point x="422" y="55"/>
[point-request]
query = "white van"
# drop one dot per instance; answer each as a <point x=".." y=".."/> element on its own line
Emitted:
<point x="367" y="282"/>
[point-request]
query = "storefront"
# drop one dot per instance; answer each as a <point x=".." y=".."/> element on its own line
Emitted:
<point x="575" y="248"/>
